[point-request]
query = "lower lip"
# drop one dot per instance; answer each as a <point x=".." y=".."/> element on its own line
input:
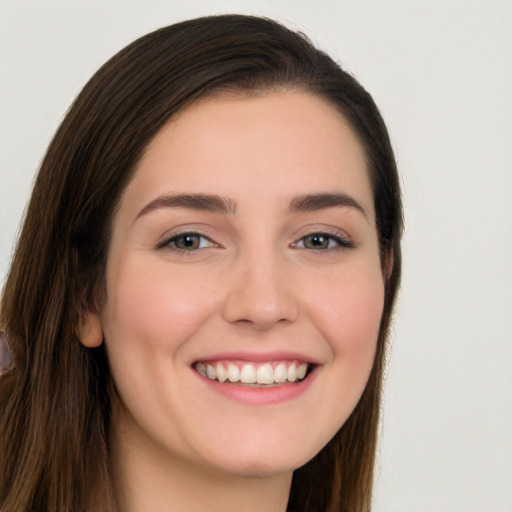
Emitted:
<point x="260" y="395"/>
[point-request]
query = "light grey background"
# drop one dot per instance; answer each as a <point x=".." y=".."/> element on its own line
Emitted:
<point x="441" y="74"/>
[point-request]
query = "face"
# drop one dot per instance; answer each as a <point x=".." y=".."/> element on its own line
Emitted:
<point x="244" y="285"/>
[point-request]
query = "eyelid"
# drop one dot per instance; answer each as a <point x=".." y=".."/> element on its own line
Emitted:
<point x="171" y="237"/>
<point x="341" y="239"/>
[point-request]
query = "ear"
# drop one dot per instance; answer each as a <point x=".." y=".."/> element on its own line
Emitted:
<point x="90" y="331"/>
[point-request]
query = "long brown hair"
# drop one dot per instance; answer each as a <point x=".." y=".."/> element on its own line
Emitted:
<point x="55" y="406"/>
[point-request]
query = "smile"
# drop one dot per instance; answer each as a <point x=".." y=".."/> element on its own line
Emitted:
<point x="253" y="374"/>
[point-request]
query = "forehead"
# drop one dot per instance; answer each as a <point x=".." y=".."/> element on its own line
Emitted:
<point x="274" y="144"/>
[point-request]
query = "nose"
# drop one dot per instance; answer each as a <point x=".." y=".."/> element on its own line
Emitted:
<point x="261" y="294"/>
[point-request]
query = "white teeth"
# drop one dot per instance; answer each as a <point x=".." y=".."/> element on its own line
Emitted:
<point x="221" y="373"/>
<point x="210" y="371"/>
<point x="291" y="374"/>
<point x="301" y="371"/>
<point x="248" y="374"/>
<point x="265" y="375"/>
<point x="251" y="373"/>
<point x="280" y="373"/>
<point x="233" y="373"/>
<point x="201" y="368"/>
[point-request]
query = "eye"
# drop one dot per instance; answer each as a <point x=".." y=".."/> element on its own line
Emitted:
<point x="322" y="242"/>
<point x="187" y="242"/>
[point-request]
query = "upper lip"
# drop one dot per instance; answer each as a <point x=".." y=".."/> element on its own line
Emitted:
<point x="259" y="357"/>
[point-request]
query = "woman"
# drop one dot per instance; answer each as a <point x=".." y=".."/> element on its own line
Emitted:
<point x="202" y="289"/>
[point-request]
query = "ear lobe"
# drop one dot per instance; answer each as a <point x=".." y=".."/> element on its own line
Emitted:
<point x="89" y="329"/>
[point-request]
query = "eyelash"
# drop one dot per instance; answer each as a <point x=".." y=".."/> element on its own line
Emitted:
<point x="339" y="241"/>
<point x="171" y="242"/>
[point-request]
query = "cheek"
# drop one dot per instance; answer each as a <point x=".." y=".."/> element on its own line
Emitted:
<point x="150" y="315"/>
<point x="156" y="306"/>
<point x="351" y="311"/>
<point x="350" y="318"/>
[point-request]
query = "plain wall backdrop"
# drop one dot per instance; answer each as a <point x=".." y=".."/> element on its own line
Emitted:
<point x="441" y="74"/>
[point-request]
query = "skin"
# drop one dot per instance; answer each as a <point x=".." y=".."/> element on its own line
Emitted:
<point x="255" y="285"/>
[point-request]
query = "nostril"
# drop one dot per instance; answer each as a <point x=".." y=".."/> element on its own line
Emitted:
<point x="261" y="324"/>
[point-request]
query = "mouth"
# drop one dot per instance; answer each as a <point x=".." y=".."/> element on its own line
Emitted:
<point x="254" y="374"/>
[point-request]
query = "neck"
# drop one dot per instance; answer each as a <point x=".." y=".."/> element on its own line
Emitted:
<point x="148" y="477"/>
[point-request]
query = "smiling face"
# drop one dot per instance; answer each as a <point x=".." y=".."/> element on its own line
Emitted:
<point x="244" y="249"/>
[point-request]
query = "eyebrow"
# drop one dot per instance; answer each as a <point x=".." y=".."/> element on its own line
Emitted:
<point x="203" y="202"/>
<point x="315" y="202"/>
<point x="226" y="205"/>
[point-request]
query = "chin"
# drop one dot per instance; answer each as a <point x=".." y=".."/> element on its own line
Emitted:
<point x="259" y="458"/>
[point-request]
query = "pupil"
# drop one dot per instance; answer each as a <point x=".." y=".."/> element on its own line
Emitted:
<point x="317" y="241"/>
<point x="189" y="241"/>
